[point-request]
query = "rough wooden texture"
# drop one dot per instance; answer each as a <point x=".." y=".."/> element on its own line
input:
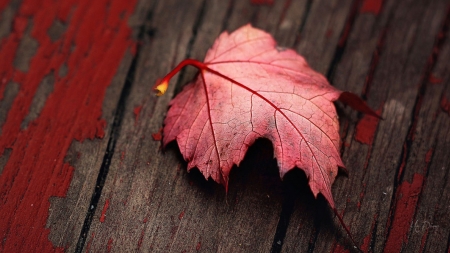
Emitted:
<point x="81" y="171"/>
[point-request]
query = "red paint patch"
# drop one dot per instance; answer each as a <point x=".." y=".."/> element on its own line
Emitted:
<point x="423" y="241"/>
<point x="362" y="193"/>
<point x="406" y="201"/>
<point x="105" y="208"/>
<point x="199" y="245"/>
<point x="9" y="48"/>
<point x="180" y="217"/>
<point x="366" y="241"/>
<point x="366" y="128"/>
<point x="261" y="2"/>
<point x="36" y="169"/>
<point x="344" y="36"/>
<point x="122" y="155"/>
<point x="141" y="239"/>
<point x="429" y="155"/>
<point x="434" y="80"/>
<point x="137" y="111"/>
<point x="339" y="249"/>
<point x="109" y="246"/>
<point x="157" y="136"/>
<point x="445" y="105"/>
<point x="88" y="246"/>
<point x="133" y="48"/>
<point x="372" y="6"/>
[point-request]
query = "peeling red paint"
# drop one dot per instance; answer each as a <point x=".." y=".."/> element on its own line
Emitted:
<point x="428" y="155"/>
<point x="261" y="2"/>
<point x="137" y="111"/>
<point x="406" y="202"/>
<point x="366" y="241"/>
<point x="362" y="193"/>
<point x="134" y="46"/>
<point x="36" y="169"/>
<point x="141" y="238"/>
<point x="372" y="6"/>
<point x="157" y="136"/>
<point x="88" y="245"/>
<point x="344" y="35"/>
<point x="339" y="249"/>
<point x="434" y="80"/>
<point x="199" y="245"/>
<point x="181" y="215"/>
<point x="366" y="128"/>
<point x="423" y="241"/>
<point x="445" y="104"/>
<point x="109" y="245"/>
<point x="105" y="208"/>
<point x="8" y="50"/>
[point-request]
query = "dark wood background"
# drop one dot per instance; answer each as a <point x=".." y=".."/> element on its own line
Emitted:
<point x="82" y="170"/>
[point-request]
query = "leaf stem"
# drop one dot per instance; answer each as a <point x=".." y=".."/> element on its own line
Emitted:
<point x="162" y="84"/>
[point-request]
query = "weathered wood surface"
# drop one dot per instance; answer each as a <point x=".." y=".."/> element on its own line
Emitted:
<point x="81" y="172"/>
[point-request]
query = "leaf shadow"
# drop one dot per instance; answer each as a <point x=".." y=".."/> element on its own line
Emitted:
<point x="346" y="113"/>
<point x="257" y="175"/>
<point x="257" y="179"/>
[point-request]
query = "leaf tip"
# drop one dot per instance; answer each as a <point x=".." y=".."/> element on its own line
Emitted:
<point x="357" y="103"/>
<point x="347" y="229"/>
<point x="161" y="88"/>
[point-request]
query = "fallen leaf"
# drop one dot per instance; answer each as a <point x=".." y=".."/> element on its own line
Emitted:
<point x="248" y="88"/>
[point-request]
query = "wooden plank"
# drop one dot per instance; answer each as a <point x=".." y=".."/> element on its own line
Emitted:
<point x="428" y="159"/>
<point x="55" y="71"/>
<point x="320" y="34"/>
<point x="381" y="169"/>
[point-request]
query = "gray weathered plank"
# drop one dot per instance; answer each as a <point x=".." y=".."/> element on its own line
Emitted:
<point x="367" y="197"/>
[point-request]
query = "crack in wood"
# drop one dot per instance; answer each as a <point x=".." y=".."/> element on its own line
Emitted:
<point x="114" y="135"/>
<point x="303" y="23"/>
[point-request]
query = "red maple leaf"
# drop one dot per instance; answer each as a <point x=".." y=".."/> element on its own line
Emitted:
<point x="248" y="88"/>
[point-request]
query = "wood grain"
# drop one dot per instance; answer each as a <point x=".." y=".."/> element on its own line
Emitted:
<point x="99" y="180"/>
